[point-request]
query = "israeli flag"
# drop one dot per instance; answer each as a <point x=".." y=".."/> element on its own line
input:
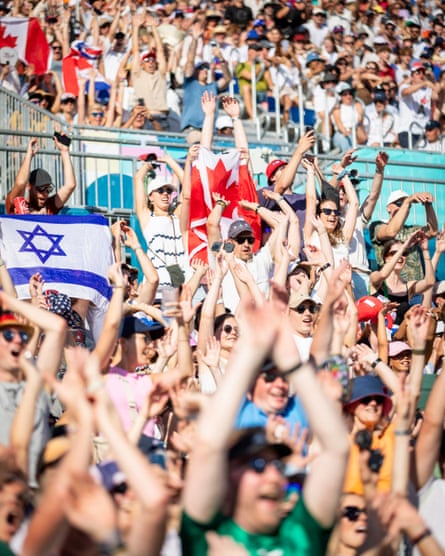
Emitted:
<point x="72" y="253"/>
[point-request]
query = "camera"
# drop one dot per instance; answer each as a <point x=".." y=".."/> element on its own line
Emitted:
<point x="363" y="439"/>
<point x="213" y="44"/>
<point x="141" y="102"/>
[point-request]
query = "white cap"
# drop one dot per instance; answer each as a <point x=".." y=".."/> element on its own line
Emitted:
<point x="396" y="196"/>
<point x="157" y="183"/>
<point x="223" y="121"/>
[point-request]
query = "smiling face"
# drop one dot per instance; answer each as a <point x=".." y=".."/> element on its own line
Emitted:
<point x="12" y="508"/>
<point x="137" y="350"/>
<point x="330" y="220"/>
<point x="13" y="341"/>
<point x="161" y="198"/>
<point x="260" y="496"/>
<point x="353" y="523"/>
<point x="303" y="317"/>
<point x="368" y="411"/>
<point x="401" y="363"/>
<point x="228" y="333"/>
<point x="270" y="393"/>
<point x="38" y="196"/>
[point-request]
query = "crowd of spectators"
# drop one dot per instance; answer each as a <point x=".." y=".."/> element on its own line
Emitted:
<point x="151" y="61"/>
<point x="282" y="394"/>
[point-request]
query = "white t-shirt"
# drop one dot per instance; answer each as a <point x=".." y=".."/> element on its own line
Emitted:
<point x="304" y="346"/>
<point x="414" y="108"/>
<point x="260" y="266"/>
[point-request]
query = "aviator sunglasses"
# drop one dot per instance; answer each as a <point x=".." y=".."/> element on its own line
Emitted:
<point x="9" y="334"/>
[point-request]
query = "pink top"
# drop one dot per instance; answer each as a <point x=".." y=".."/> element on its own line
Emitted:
<point x="125" y="389"/>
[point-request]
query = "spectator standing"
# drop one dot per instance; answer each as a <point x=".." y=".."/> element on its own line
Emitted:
<point x="318" y="30"/>
<point x="37" y="185"/>
<point x="433" y="141"/>
<point x="416" y="98"/>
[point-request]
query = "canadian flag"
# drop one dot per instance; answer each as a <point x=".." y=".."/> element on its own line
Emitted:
<point x="229" y="176"/>
<point x="26" y="37"/>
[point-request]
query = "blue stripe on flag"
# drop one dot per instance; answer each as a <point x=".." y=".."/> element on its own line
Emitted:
<point x="95" y="219"/>
<point x="21" y="276"/>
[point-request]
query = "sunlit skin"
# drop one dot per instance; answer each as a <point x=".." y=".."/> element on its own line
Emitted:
<point x="258" y="507"/>
<point x="228" y="339"/>
<point x="161" y="199"/>
<point x="329" y="221"/>
<point x="270" y="397"/>
<point x="367" y="415"/>
<point x="243" y="251"/>
<point x="302" y="323"/>
<point x="352" y="534"/>
<point x="38" y="199"/>
<point x="137" y="350"/>
<point x="401" y="363"/>
<point x="10" y="353"/>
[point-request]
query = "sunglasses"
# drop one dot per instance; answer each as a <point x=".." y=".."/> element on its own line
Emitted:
<point x="44" y="188"/>
<point x="97" y="114"/>
<point x="302" y="308"/>
<point x="259" y="465"/>
<point x="228" y="329"/>
<point x="402" y="355"/>
<point x="352" y="513"/>
<point x="168" y="190"/>
<point x="121" y="488"/>
<point x="240" y="240"/>
<point x="57" y="48"/>
<point x="270" y="376"/>
<point x="10" y="333"/>
<point x="368" y="399"/>
<point x="328" y="212"/>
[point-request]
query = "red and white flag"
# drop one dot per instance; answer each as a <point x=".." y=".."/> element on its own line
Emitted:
<point x="81" y="59"/>
<point x="226" y="174"/>
<point x="26" y="37"/>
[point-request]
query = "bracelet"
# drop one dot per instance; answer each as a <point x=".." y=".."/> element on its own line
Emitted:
<point x="235" y="118"/>
<point x="222" y="203"/>
<point x="280" y="198"/>
<point x="426" y="533"/>
<point x="376" y="362"/>
<point x="257" y="209"/>
<point x="405" y="432"/>
<point x="418" y="351"/>
<point x="324" y="267"/>
<point x="117" y="287"/>
<point x="219" y="301"/>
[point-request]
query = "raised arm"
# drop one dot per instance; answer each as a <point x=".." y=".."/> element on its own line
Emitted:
<point x="232" y="109"/>
<point x="22" y="177"/>
<point x="208" y="104"/>
<point x="204" y="487"/>
<point x="288" y="174"/>
<point x="191" y="53"/>
<point x="311" y="202"/>
<point x="370" y="202"/>
<point x="351" y="211"/>
<point x="137" y="22"/>
<point x="69" y="179"/>
<point x="140" y="198"/>
<point x="392" y="228"/>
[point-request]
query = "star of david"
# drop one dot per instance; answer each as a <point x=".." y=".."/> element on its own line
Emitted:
<point x="38" y="239"/>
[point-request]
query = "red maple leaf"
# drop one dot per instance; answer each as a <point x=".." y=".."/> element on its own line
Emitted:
<point x="6" y="40"/>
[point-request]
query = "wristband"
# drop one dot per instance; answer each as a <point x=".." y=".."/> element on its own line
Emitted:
<point x="418" y="351"/>
<point x="426" y="533"/>
<point x="222" y="203"/>
<point x="257" y="209"/>
<point x="376" y="362"/>
<point x="235" y="118"/>
<point x="403" y="433"/>
<point x="280" y="198"/>
<point x="324" y="267"/>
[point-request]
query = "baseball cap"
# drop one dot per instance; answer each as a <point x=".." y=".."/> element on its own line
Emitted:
<point x="394" y="348"/>
<point x="396" y="196"/>
<point x="313" y="57"/>
<point x="67" y="96"/>
<point x="148" y="54"/>
<point x="342" y="87"/>
<point x="380" y="96"/>
<point x="413" y="22"/>
<point x="328" y="76"/>
<point x="223" y="121"/>
<point x="157" y="183"/>
<point x="432" y="124"/>
<point x="417" y="66"/>
<point x="202" y="65"/>
<point x="273" y="166"/>
<point x="296" y="299"/>
<point x="133" y="325"/>
<point x="252" y="35"/>
<point x="238" y="227"/>
<point x="39" y="177"/>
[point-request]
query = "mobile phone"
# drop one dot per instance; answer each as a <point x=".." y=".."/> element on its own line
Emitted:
<point x="228" y="247"/>
<point x="62" y="138"/>
<point x="147" y="157"/>
<point x="216" y="246"/>
<point x="309" y="156"/>
<point x="141" y="102"/>
<point x="51" y="19"/>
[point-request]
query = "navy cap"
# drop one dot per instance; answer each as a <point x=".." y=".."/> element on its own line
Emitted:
<point x="380" y="96"/>
<point x="432" y="124"/>
<point x="133" y="325"/>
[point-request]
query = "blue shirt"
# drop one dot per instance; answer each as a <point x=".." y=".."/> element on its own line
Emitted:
<point x="250" y="415"/>
<point x="192" y="114"/>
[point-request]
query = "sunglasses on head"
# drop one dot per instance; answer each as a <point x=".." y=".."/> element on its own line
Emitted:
<point x="97" y="114"/>
<point x="368" y="399"/>
<point x="168" y="190"/>
<point x="328" y="211"/>
<point x="306" y="307"/>
<point x="10" y="333"/>
<point x="240" y="240"/>
<point x="352" y="513"/>
<point x="259" y="465"/>
<point x="228" y="329"/>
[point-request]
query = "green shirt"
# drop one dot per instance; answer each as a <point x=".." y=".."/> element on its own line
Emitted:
<point x="299" y="535"/>
<point x="5" y="550"/>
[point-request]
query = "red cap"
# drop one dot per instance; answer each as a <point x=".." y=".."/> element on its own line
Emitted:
<point x="417" y="66"/>
<point x="273" y="166"/>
